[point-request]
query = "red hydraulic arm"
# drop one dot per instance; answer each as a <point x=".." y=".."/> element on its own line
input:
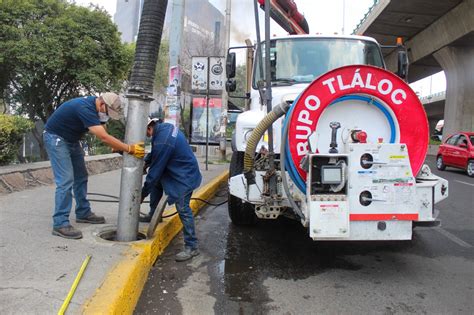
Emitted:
<point x="286" y="14"/>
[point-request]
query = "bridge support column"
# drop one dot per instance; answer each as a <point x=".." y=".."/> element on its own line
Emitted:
<point x="458" y="65"/>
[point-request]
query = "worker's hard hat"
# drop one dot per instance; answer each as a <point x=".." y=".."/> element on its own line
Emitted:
<point x="114" y="105"/>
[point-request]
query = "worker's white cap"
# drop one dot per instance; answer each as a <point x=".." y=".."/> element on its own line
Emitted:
<point x="114" y="105"/>
<point x="150" y="120"/>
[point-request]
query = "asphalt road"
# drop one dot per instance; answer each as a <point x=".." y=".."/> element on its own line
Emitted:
<point x="274" y="268"/>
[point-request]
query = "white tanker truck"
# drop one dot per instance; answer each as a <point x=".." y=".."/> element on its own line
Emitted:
<point x="349" y="143"/>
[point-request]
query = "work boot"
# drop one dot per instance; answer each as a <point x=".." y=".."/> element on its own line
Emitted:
<point x="186" y="254"/>
<point x="92" y="218"/>
<point x="145" y="218"/>
<point x="68" y="232"/>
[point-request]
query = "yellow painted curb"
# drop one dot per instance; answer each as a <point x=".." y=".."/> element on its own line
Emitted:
<point x="122" y="286"/>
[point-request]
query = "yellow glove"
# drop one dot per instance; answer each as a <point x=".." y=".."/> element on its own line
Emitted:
<point x="137" y="150"/>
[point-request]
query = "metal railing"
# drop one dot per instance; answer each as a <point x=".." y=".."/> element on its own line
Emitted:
<point x="366" y="15"/>
<point x="428" y="98"/>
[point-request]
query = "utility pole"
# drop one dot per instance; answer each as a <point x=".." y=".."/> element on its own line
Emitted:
<point x="343" y="16"/>
<point x="225" y="96"/>
<point x="207" y="114"/>
<point x="176" y="31"/>
<point x="174" y="100"/>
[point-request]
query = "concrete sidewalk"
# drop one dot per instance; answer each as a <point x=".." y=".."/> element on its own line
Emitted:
<point x="37" y="269"/>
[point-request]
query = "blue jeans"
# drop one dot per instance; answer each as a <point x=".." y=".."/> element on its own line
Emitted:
<point x="70" y="173"/>
<point x="184" y="211"/>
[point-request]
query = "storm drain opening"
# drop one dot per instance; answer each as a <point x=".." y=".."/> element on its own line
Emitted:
<point x="110" y="234"/>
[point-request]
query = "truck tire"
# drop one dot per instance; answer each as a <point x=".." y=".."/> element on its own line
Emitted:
<point x="240" y="212"/>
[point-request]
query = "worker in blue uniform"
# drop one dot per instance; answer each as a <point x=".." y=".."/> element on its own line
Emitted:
<point x="173" y="168"/>
<point x="62" y="132"/>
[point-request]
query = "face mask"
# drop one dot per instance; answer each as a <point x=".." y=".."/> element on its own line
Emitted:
<point x="103" y="117"/>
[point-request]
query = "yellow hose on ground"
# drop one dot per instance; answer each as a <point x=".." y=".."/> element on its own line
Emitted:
<point x="74" y="286"/>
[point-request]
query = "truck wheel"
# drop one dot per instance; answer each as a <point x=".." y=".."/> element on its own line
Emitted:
<point x="470" y="168"/>
<point x="240" y="212"/>
<point x="440" y="163"/>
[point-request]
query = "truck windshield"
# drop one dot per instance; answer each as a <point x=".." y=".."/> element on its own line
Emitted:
<point x="301" y="60"/>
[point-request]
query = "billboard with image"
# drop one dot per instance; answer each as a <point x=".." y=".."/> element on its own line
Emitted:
<point x="198" y="124"/>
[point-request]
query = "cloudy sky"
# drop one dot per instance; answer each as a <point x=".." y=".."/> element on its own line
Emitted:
<point x="323" y="16"/>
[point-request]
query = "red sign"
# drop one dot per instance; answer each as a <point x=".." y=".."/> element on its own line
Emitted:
<point x="201" y="102"/>
<point x="387" y="88"/>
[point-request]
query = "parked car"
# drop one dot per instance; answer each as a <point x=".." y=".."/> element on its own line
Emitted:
<point x="457" y="151"/>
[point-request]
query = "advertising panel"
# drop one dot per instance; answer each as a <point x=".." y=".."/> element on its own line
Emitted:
<point x="174" y="81"/>
<point x="216" y="73"/>
<point x="172" y="110"/>
<point x="198" y="124"/>
<point x="199" y="74"/>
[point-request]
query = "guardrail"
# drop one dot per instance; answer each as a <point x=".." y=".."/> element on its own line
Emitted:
<point x="365" y="17"/>
<point x="438" y="95"/>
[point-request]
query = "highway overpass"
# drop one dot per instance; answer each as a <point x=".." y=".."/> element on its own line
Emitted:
<point x="439" y="35"/>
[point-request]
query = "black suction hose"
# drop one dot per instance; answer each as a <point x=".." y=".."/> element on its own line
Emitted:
<point x="115" y="199"/>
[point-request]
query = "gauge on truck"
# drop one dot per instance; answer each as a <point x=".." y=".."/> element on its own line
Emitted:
<point x="331" y="174"/>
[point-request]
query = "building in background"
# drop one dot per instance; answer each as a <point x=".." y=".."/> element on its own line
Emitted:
<point x="202" y="31"/>
<point x="201" y="20"/>
<point x="127" y="19"/>
<point x="203" y="26"/>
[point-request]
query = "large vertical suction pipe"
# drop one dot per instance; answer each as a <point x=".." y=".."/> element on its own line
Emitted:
<point x="139" y="94"/>
<point x="132" y="170"/>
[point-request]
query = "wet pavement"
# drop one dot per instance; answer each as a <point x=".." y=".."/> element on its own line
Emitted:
<point x="274" y="268"/>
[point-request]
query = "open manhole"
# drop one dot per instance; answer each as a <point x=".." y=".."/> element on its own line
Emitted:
<point x="110" y="234"/>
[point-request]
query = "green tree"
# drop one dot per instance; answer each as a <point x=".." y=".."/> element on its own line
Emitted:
<point x="162" y="66"/>
<point x="12" y="129"/>
<point x="52" y="51"/>
<point x="94" y="146"/>
<point x="240" y="79"/>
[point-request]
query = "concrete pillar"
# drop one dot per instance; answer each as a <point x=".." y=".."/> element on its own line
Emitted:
<point x="458" y="65"/>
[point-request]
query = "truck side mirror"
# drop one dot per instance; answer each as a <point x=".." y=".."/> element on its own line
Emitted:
<point x="230" y="65"/>
<point x="230" y="85"/>
<point x="402" y="70"/>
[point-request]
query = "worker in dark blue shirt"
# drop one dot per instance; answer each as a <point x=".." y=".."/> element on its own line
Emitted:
<point x="173" y="168"/>
<point x="61" y="136"/>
